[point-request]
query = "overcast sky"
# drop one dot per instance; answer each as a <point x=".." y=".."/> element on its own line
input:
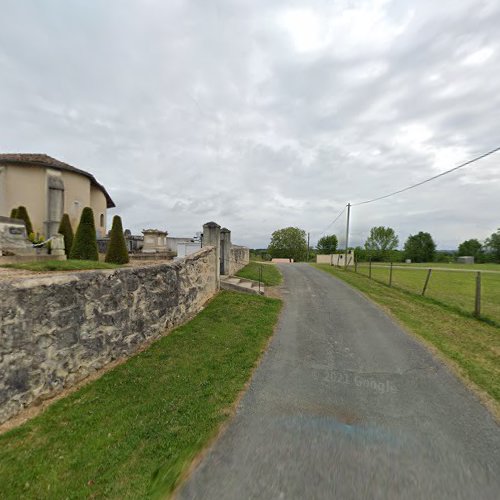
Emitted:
<point x="263" y="114"/>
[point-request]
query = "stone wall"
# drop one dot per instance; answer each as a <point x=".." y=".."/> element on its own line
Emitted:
<point x="57" y="329"/>
<point x="238" y="257"/>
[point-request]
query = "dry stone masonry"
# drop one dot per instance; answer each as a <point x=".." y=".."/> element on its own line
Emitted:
<point x="239" y="257"/>
<point x="56" y="330"/>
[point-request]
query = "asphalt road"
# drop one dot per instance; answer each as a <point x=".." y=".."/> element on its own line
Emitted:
<point x="346" y="405"/>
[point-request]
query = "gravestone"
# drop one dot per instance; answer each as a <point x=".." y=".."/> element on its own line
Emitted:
<point x="13" y="237"/>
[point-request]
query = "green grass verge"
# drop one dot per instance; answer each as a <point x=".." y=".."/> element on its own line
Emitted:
<point x="473" y="345"/>
<point x="131" y="433"/>
<point x="452" y="288"/>
<point x="450" y="265"/>
<point x="61" y="265"/>
<point x="271" y="275"/>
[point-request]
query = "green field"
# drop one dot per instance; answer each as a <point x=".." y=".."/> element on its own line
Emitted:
<point x="134" y="431"/>
<point x="472" y="346"/>
<point x="270" y="273"/>
<point x="449" y="265"/>
<point x="61" y="265"/>
<point x="453" y="288"/>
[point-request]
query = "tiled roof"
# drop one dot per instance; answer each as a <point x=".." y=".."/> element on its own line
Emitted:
<point x="30" y="159"/>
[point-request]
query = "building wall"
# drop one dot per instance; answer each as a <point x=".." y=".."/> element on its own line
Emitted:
<point x="172" y="242"/>
<point x="4" y="210"/>
<point x="323" y="259"/>
<point x="58" y="329"/>
<point x="99" y="206"/>
<point x="76" y="196"/>
<point x="336" y="259"/>
<point x="28" y="186"/>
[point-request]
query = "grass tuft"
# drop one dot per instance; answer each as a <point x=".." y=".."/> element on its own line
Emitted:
<point x="271" y="275"/>
<point x="61" y="265"/>
<point x="132" y="433"/>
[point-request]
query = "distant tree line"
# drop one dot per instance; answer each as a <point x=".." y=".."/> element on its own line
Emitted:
<point x="489" y="251"/>
<point x="381" y="245"/>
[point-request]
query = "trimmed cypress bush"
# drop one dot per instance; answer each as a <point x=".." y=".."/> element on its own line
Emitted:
<point x="85" y="243"/>
<point x="13" y="213"/>
<point x="22" y="213"/>
<point x="67" y="231"/>
<point x="117" y="249"/>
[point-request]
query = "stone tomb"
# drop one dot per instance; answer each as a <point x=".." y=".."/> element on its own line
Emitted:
<point x="155" y="241"/>
<point x="13" y="238"/>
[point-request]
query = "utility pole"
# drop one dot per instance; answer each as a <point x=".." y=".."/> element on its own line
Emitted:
<point x="347" y="233"/>
<point x="307" y="258"/>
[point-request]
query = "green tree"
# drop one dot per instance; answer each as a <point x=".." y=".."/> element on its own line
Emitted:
<point x="13" y="213"/>
<point x="492" y="245"/>
<point x="360" y="254"/>
<point x="420" y="247"/>
<point x="85" y="243"/>
<point x="381" y="242"/>
<point x="327" y="244"/>
<point x="470" y="247"/>
<point x="117" y="248"/>
<point x="288" y="243"/>
<point x="67" y="231"/>
<point x="22" y="213"/>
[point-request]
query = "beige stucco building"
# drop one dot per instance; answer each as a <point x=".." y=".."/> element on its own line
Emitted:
<point x="48" y="188"/>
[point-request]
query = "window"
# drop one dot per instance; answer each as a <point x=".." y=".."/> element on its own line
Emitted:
<point x="102" y="220"/>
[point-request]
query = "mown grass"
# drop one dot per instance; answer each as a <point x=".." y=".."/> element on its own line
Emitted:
<point x="131" y="433"/>
<point x="271" y="275"/>
<point x="473" y="345"/>
<point x="61" y="265"/>
<point x="451" y="265"/>
<point x="453" y="288"/>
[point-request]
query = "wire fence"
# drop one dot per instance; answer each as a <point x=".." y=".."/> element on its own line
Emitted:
<point x="468" y="290"/>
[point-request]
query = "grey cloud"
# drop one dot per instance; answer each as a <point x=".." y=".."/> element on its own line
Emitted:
<point x="190" y="111"/>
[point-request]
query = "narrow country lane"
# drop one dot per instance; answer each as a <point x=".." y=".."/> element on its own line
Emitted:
<point x="347" y="405"/>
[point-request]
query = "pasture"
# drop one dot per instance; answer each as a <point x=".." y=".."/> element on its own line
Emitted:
<point x="451" y="284"/>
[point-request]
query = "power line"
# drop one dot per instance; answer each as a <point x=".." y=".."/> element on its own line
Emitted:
<point x="429" y="179"/>
<point x="333" y="222"/>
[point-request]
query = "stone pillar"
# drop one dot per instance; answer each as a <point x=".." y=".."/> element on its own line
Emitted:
<point x="225" y="248"/>
<point x="211" y="238"/>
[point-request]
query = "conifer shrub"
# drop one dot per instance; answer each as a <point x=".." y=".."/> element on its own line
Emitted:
<point x="67" y="231"/>
<point x="13" y="213"/>
<point x="22" y="213"/>
<point x="117" y="248"/>
<point x="85" y="243"/>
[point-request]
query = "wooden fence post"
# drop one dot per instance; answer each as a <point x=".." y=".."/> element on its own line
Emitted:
<point x="427" y="280"/>
<point x="477" y="308"/>
<point x="390" y="276"/>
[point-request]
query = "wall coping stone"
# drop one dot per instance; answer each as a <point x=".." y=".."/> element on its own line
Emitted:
<point x="65" y="277"/>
